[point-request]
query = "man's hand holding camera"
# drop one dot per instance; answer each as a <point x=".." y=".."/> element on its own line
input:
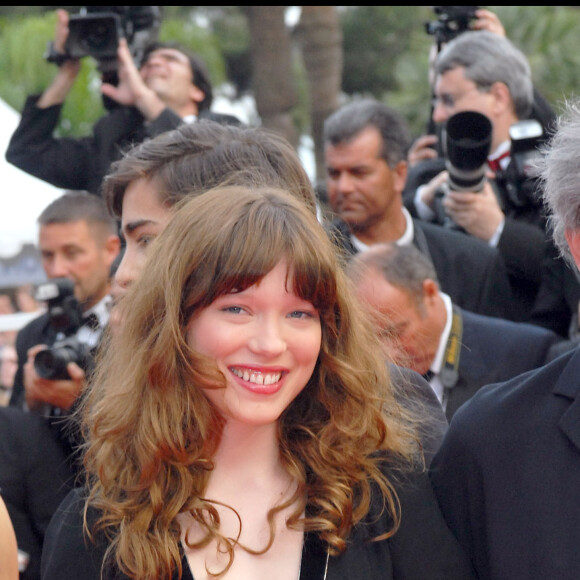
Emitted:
<point x="60" y="393"/>
<point x="132" y="90"/>
<point x="488" y="20"/>
<point x="430" y="190"/>
<point x="477" y="213"/>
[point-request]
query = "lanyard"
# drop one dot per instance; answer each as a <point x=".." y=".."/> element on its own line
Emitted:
<point x="450" y="369"/>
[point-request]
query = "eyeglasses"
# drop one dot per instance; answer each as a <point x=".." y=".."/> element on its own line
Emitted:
<point x="449" y="101"/>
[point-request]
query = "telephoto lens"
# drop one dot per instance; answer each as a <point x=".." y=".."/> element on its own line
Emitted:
<point x="466" y="145"/>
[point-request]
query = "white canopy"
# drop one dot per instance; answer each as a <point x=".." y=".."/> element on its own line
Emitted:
<point x="23" y="196"/>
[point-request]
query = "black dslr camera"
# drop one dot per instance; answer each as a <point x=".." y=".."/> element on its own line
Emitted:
<point x="520" y="180"/>
<point x="95" y="31"/>
<point x="466" y="141"/>
<point x="451" y="22"/>
<point x="65" y="317"/>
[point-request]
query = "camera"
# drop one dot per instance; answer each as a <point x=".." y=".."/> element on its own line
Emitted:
<point x="95" y="31"/>
<point x="466" y="140"/>
<point x="451" y="22"/>
<point x="466" y="145"/>
<point x="95" y="35"/>
<point x="520" y="178"/>
<point x="526" y="138"/>
<point x="65" y="317"/>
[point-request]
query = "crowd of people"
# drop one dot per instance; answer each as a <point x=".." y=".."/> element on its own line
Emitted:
<point x="239" y="387"/>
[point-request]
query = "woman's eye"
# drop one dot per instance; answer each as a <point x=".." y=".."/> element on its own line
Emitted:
<point x="300" y="314"/>
<point x="233" y="309"/>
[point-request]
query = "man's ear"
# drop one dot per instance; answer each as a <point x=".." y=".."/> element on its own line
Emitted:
<point x="399" y="173"/>
<point x="502" y="98"/>
<point x="430" y="291"/>
<point x="573" y="239"/>
<point x="112" y="248"/>
<point x="196" y="94"/>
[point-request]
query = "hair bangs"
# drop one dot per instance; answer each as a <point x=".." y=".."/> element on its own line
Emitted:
<point x="262" y="231"/>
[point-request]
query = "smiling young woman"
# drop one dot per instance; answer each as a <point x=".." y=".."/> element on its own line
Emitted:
<point x="241" y="422"/>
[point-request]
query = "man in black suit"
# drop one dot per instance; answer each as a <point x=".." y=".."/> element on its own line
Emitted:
<point x="35" y="477"/>
<point x="365" y="150"/>
<point x="77" y="240"/>
<point x="508" y="472"/>
<point x="170" y="87"/>
<point x="458" y="351"/>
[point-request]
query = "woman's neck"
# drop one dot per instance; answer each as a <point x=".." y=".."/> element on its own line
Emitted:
<point x="249" y="456"/>
<point x="247" y="481"/>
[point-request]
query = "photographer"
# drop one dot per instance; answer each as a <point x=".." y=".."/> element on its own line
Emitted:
<point x="78" y="241"/>
<point x="483" y="72"/>
<point x="170" y="87"/>
<point x="451" y="21"/>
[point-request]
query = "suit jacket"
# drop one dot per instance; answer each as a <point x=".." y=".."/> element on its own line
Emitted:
<point x="422" y="549"/>
<point x="34" y="478"/>
<point x="495" y="350"/>
<point x="508" y="473"/>
<point x="558" y="298"/>
<point x="82" y="163"/>
<point x="414" y="393"/>
<point x="469" y="270"/>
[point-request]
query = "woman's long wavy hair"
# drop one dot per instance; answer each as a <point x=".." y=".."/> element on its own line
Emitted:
<point x="152" y="433"/>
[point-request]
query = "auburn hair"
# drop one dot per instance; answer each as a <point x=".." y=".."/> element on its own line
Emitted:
<point x="151" y="433"/>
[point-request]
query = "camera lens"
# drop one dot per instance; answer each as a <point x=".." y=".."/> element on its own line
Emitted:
<point x="467" y="143"/>
<point x="51" y="363"/>
<point x="98" y="36"/>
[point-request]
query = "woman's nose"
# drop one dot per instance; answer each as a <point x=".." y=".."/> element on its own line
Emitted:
<point x="268" y="338"/>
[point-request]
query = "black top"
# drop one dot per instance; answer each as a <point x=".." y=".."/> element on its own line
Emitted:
<point x="422" y="549"/>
